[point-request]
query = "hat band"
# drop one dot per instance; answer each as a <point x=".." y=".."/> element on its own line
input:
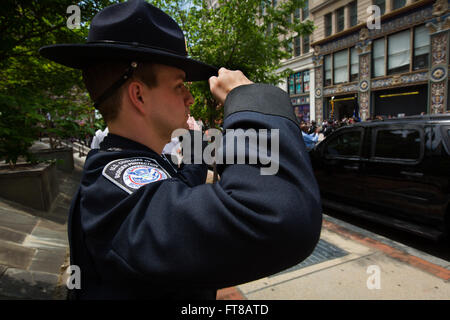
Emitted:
<point x="137" y="44"/>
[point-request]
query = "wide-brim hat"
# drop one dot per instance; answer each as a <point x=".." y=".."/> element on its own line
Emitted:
<point x="131" y="31"/>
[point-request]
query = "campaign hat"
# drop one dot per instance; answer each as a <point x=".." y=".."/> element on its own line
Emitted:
<point x="133" y="31"/>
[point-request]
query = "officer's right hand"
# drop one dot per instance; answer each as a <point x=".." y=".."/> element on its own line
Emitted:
<point x="226" y="81"/>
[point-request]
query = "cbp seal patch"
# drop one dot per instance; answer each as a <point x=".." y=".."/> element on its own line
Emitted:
<point x="132" y="173"/>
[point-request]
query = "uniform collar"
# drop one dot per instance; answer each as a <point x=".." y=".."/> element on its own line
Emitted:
<point x="114" y="142"/>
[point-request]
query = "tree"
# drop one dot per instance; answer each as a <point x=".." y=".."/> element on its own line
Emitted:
<point x="250" y="35"/>
<point x="33" y="89"/>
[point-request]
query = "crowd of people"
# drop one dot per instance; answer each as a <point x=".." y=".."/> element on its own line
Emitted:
<point x="313" y="132"/>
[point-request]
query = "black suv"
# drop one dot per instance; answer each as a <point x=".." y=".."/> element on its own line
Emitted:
<point x="396" y="172"/>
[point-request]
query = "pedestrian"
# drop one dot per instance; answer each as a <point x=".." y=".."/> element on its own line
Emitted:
<point x="310" y="139"/>
<point x="312" y="127"/>
<point x="98" y="138"/>
<point x="140" y="228"/>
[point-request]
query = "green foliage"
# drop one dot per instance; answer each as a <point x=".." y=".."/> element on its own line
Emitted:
<point x="67" y="116"/>
<point x="37" y="96"/>
<point x="237" y="35"/>
<point x="18" y="125"/>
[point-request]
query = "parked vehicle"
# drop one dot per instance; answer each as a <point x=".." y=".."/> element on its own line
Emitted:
<point x="395" y="172"/>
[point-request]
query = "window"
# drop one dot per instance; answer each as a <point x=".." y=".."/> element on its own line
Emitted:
<point x="398" y="144"/>
<point x="354" y="65"/>
<point x="346" y="144"/>
<point x="399" y="52"/>
<point x="328" y="24"/>
<point x="289" y="47"/>
<point x="378" y="58"/>
<point x="305" y="10"/>
<point x="353" y="12"/>
<point x="297" y="14"/>
<point x="340" y="19"/>
<point x="291" y="82"/>
<point x="305" y="44"/>
<point x="306" y="81"/>
<point x="298" y="82"/>
<point x="297" y="46"/>
<point x="421" y="47"/>
<point x="381" y="4"/>
<point x="327" y="67"/>
<point x="397" y="4"/>
<point x="446" y="137"/>
<point x="340" y="64"/>
<point x="288" y="19"/>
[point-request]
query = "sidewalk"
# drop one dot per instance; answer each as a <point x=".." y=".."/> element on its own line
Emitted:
<point x="34" y="245"/>
<point x="352" y="263"/>
<point x="34" y="249"/>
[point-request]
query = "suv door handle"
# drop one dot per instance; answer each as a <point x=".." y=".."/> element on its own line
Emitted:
<point x="412" y="174"/>
<point x="354" y="167"/>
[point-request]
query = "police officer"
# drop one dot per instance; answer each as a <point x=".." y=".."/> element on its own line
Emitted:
<point x="140" y="228"/>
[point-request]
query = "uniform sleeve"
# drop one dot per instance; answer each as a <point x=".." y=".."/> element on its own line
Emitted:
<point x="247" y="226"/>
<point x="194" y="173"/>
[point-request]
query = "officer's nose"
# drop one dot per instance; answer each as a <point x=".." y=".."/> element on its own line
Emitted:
<point x="189" y="99"/>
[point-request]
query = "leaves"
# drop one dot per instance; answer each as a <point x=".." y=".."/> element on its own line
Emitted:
<point x="37" y="96"/>
<point x="236" y="36"/>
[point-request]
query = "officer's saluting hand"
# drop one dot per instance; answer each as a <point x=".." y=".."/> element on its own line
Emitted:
<point x="226" y="81"/>
<point x="140" y="228"/>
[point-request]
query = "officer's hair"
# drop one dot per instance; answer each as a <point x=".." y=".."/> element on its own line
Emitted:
<point x="99" y="77"/>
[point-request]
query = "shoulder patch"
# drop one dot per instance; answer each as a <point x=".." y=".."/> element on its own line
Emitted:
<point x="132" y="173"/>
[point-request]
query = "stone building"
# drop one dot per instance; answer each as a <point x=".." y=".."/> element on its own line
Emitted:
<point x="388" y="60"/>
<point x="300" y="84"/>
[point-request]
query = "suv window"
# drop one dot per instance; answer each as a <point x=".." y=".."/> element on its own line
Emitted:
<point x="398" y="144"/>
<point x="345" y="144"/>
<point x="446" y="133"/>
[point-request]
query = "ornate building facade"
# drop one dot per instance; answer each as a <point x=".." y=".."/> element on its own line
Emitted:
<point x="300" y="84"/>
<point x="398" y="66"/>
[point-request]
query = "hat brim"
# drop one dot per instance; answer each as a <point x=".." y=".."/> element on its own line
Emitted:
<point x="80" y="56"/>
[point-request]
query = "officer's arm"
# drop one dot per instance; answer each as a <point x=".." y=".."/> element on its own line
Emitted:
<point x="242" y="228"/>
<point x="195" y="170"/>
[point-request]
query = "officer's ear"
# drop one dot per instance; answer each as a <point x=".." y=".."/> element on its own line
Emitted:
<point x="135" y="92"/>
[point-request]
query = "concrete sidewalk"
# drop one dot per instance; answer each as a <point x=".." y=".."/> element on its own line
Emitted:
<point x="34" y="247"/>
<point x="367" y="266"/>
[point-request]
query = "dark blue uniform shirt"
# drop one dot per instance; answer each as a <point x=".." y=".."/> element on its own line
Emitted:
<point x="138" y="228"/>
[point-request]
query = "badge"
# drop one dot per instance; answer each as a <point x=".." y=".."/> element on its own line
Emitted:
<point x="132" y="173"/>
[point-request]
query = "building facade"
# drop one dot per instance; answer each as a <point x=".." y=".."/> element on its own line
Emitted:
<point x="388" y="60"/>
<point x="300" y="84"/>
